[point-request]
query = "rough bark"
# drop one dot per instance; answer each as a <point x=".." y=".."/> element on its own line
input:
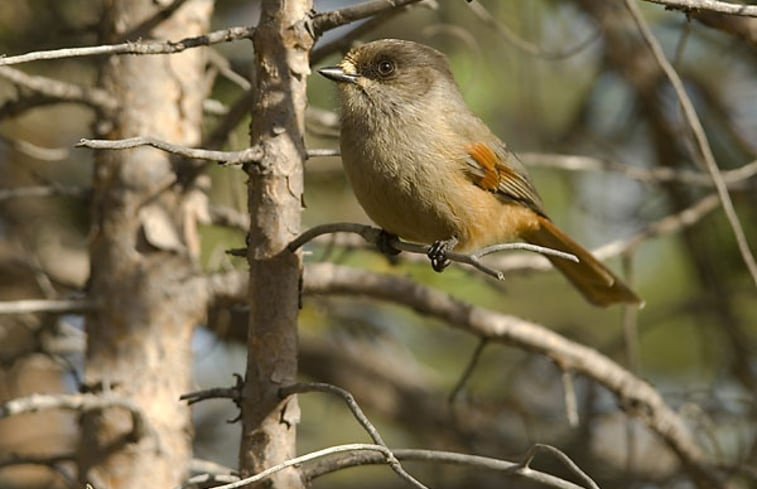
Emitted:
<point x="282" y="45"/>
<point x="139" y="340"/>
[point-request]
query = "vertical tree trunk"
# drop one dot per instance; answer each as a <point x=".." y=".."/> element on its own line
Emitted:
<point x="139" y="340"/>
<point x="282" y="44"/>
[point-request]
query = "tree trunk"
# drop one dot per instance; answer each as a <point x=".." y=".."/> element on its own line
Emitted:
<point x="139" y="340"/>
<point x="282" y="44"/>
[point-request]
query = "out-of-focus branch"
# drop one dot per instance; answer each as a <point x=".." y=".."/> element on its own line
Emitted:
<point x="46" y="306"/>
<point x="636" y="397"/>
<point x="699" y="136"/>
<point x="708" y="5"/>
<point x="56" y="89"/>
<point x="734" y="178"/>
<point x="34" y="151"/>
<point x="155" y="47"/>
<point x="76" y="402"/>
<point x="526" y="46"/>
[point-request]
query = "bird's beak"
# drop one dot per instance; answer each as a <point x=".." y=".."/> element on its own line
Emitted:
<point x="337" y="74"/>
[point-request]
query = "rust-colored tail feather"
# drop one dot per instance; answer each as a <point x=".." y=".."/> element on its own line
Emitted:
<point x="595" y="281"/>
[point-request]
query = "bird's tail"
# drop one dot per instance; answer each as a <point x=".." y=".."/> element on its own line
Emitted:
<point x="594" y="280"/>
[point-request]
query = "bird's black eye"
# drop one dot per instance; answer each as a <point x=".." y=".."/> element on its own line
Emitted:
<point x="385" y="67"/>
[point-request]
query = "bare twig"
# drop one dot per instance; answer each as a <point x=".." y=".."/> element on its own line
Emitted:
<point x="76" y="402"/>
<point x="320" y="152"/>
<point x="699" y="136"/>
<point x="352" y="459"/>
<point x="635" y="396"/>
<point x="361" y="418"/>
<point x="46" y="305"/>
<point x="351" y="447"/>
<point x="34" y="151"/>
<point x="709" y="5"/>
<point x="562" y="457"/>
<point x="248" y="155"/>
<point x="528" y="47"/>
<point x="460" y="385"/>
<point x="11" y="459"/>
<point x="155" y="47"/>
<point x="373" y="235"/>
<point x="569" y="394"/>
<point x="326" y="48"/>
<point x="733" y="178"/>
<point x="56" y="89"/>
<point x="41" y="191"/>
<point x="325" y="21"/>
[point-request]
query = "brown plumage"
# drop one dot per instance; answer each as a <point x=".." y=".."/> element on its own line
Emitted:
<point x="427" y="169"/>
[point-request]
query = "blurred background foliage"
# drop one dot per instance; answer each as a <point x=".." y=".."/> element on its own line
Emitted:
<point x="576" y="95"/>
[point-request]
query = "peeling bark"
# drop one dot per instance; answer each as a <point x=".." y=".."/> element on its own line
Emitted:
<point x="282" y="45"/>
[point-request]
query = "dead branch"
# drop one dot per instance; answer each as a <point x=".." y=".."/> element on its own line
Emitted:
<point x="56" y="89"/>
<point x="325" y="21"/>
<point x="135" y="47"/>
<point x="700" y="137"/>
<point x="374" y="235"/>
<point x="356" y="458"/>
<point x="248" y="155"/>
<point x="29" y="306"/>
<point x="361" y="418"/>
<point x="708" y="5"/>
<point x="636" y="397"/>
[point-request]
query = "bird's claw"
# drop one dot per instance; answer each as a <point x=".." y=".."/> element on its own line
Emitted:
<point x="437" y="253"/>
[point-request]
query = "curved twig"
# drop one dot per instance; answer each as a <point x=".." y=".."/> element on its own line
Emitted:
<point x="373" y="235"/>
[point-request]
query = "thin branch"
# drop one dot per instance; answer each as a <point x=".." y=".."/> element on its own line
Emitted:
<point x="734" y="178"/>
<point x="12" y="459"/>
<point x="562" y="457"/>
<point x="361" y="418"/>
<point x="321" y="152"/>
<point x="569" y="395"/>
<point x="666" y="226"/>
<point x="351" y="447"/>
<point x="56" y="89"/>
<point x="248" y="155"/>
<point x="709" y="5"/>
<point x="352" y="459"/>
<point x="76" y="402"/>
<point x="373" y="235"/>
<point x="636" y="397"/>
<point x="528" y="47"/>
<point x="699" y="136"/>
<point x="328" y="47"/>
<point x="47" y="305"/>
<point x="138" y="47"/>
<point x="34" y="151"/>
<point x="151" y="22"/>
<point x="325" y="21"/>
<point x="460" y="385"/>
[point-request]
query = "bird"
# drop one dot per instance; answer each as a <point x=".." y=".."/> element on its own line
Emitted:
<point x="426" y="169"/>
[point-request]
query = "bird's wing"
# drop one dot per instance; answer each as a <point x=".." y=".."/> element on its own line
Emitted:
<point x="498" y="170"/>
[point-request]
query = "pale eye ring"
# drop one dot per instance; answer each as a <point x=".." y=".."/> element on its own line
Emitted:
<point x="385" y="67"/>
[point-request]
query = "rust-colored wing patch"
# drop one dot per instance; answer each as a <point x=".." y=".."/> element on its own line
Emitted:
<point x="489" y="178"/>
<point x="493" y="172"/>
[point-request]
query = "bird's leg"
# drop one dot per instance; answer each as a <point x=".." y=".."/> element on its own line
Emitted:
<point x="438" y="253"/>
<point x="384" y="243"/>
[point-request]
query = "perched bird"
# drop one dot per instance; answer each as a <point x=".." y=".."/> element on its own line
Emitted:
<point x="426" y="169"/>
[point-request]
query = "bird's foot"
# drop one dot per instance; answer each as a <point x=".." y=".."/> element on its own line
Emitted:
<point x="437" y="253"/>
<point x="384" y="243"/>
